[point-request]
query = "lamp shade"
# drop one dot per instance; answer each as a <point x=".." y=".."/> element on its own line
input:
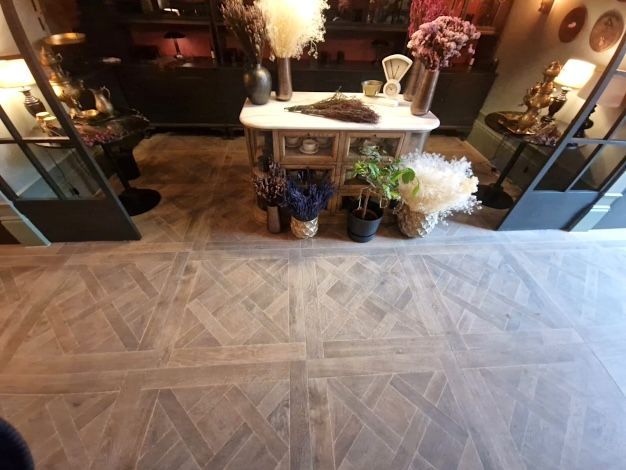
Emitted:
<point x="15" y="74"/>
<point x="575" y="73"/>
<point x="614" y="95"/>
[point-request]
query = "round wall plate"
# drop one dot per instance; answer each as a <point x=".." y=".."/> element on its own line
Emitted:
<point x="607" y="31"/>
<point x="572" y="24"/>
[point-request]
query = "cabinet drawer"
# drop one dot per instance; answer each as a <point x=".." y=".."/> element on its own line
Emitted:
<point x="307" y="147"/>
<point x="388" y="143"/>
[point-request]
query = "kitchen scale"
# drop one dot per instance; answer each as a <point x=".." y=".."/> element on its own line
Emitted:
<point x="395" y="66"/>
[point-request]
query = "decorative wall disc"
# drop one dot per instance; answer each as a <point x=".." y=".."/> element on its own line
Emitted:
<point x="572" y="24"/>
<point x="607" y="31"/>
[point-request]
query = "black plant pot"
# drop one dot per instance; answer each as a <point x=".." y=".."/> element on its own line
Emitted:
<point x="14" y="452"/>
<point x="363" y="230"/>
<point x="258" y="84"/>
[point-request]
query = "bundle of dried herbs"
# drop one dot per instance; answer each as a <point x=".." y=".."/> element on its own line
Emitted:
<point x="248" y="24"/>
<point x="306" y="198"/>
<point x="271" y="186"/>
<point x="339" y="107"/>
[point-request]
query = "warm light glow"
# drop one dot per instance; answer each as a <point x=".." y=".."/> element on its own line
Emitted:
<point x="15" y="74"/>
<point x="614" y="95"/>
<point x="546" y="6"/>
<point x="575" y="73"/>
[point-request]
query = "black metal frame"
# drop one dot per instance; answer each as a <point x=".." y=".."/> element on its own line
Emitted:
<point x="111" y="206"/>
<point x="568" y="138"/>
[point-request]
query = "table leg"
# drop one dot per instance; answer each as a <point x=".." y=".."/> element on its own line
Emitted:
<point x="494" y="195"/>
<point x="135" y="200"/>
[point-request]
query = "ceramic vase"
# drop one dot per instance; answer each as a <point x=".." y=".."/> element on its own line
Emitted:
<point x="304" y="229"/>
<point x="258" y="84"/>
<point x="285" y="88"/>
<point x="273" y="219"/>
<point x="424" y="92"/>
<point x="411" y="81"/>
<point x="416" y="224"/>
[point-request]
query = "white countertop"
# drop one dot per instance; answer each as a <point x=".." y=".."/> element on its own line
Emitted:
<point x="273" y="116"/>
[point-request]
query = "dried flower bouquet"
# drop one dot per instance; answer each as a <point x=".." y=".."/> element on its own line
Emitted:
<point x="339" y="107"/>
<point x="423" y="11"/>
<point x="437" y="42"/>
<point x="248" y="24"/>
<point x="440" y="186"/>
<point x="293" y="25"/>
<point x="271" y="187"/>
<point x="307" y="198"/>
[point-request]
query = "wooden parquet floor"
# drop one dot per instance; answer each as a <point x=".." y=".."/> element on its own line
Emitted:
<point x="211" y="344"/>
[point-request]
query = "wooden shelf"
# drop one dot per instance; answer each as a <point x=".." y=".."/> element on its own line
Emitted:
<point x="366" y="27"/>
<point x="166" y="20"/>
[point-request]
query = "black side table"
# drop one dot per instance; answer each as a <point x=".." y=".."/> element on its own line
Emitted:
<point x="135" y="200"/>
<point x="493" y="195"/>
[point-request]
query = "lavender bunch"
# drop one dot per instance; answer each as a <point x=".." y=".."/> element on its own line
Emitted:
<point x="306" y="201"/>
<point x="437" y="42"/>
<point x="248" y="24"/>
<point x="271" y="187"/>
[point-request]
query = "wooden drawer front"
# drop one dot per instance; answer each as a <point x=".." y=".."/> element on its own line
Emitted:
<point x="295" y="153"/>
<point x="391" y="142"/>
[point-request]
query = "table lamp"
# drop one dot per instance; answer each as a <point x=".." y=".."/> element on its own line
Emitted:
<point x="574" y="75"/>
<point x="14" y="73"/>
<point x="175" y="36"/>
<point x="614" y="96"/>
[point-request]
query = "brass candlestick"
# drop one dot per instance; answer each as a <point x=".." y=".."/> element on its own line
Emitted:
<point x="537" y="98"/>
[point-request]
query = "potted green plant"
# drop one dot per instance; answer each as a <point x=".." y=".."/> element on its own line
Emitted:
<point x="270" y="187"/>
<point x="306" y="199"/>
<point x="383" y="175"/>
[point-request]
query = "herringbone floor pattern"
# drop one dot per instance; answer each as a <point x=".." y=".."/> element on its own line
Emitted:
<point x="211" y="344"/>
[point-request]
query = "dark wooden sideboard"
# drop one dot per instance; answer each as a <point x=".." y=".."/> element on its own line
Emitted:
<point x="212" y="96"/>
<point x="209" y="92"/>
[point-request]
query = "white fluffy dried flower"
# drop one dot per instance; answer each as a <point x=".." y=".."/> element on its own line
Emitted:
<point x="294" y="24"/>
<point x="445" y="186"/>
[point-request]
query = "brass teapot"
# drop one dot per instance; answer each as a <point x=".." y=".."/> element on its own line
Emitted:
<point x="102" y="97"/>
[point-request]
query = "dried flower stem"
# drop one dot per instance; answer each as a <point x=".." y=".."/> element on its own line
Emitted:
<point x="339" y="107"/>
<point x="248" y="24"/>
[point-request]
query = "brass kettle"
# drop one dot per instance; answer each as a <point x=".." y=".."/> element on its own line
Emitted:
<point x="102" y="97"/>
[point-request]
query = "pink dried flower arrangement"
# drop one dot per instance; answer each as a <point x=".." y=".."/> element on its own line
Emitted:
<point x="437" y="42"/>
<point x="423" y="11"/>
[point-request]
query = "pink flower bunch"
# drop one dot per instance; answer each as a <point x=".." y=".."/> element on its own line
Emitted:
<point x="437" y="42"/>
<point x="423" y="11"/>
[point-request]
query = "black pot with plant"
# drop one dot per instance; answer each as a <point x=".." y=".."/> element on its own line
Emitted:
<point x="364" y="220"/>
<point x="382" y="174"/>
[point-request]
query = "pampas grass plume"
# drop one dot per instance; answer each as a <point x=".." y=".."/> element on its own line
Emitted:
<point x="294" y="24"/>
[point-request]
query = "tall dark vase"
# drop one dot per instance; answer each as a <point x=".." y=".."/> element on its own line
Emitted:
<point x="285" y="89"/>
<point x="424" y="92"/>
<point x="411" y="81"/>
<point x="258" y="84"/>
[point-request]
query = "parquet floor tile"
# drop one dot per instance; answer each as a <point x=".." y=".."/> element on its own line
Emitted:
<point x="212" y="344"/>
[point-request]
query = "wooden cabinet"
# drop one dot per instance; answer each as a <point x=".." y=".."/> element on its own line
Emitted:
<point x="334" y="146"/>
